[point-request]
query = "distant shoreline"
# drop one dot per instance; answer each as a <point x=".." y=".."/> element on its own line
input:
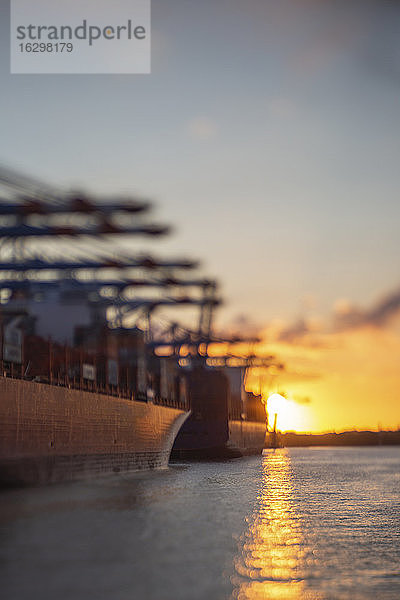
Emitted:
<point x="346" y="438"/>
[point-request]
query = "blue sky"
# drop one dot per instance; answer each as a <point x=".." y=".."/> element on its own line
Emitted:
<point x="268" y="133"/>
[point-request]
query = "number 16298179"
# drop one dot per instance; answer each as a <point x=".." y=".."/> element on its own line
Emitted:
<point x="46" y="47"/>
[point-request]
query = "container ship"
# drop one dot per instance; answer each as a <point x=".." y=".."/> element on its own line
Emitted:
<point x="70" y="414"/>
<point x="82" y="392"/>
<point x="226" y="420"/>
<point x="88" y="386"/>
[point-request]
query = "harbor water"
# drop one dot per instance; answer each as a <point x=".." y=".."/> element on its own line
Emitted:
<point x="294" y="524"/>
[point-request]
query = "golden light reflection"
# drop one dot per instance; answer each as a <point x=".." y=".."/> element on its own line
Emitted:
<point x="274" y="558"/>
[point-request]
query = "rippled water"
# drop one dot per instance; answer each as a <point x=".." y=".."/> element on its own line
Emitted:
<point x="294" y="524"/>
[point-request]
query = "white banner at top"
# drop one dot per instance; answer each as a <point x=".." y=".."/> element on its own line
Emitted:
<point x="71" y="36"/>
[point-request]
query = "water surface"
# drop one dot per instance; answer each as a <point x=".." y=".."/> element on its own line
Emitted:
<point x="312" y="524"/>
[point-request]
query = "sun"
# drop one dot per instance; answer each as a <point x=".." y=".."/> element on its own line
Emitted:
<point x="287" y="411"/>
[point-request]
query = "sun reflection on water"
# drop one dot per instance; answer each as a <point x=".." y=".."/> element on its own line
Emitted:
<point x="274" y="559"/>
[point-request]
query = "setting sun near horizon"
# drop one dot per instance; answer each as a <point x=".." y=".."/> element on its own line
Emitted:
<point x="290" y="416"/>
<point x="334" y="380"/>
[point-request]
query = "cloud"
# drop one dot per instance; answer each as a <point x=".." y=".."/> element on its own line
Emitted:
<point x="302" y="399"/>
<point x="281" y="107"/>
<point x="306" y="330"/>
<point x="313" y="332"/>
<point x="241" y="326"/>
<point x="295" y="331"/>
<point x="348" y="316"/>
<point x="202" y="128"/>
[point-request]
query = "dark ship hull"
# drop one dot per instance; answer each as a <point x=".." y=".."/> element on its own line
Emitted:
<point x="212" y="431"/>
<point x="205" y="434"/>
<point x="51" y="433"/>
<point x="247" y="437"/>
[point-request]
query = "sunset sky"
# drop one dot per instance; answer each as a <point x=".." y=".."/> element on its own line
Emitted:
<point x="268" y="134"/>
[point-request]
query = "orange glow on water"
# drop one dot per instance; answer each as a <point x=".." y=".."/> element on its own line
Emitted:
<point x="274" y="559"/>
